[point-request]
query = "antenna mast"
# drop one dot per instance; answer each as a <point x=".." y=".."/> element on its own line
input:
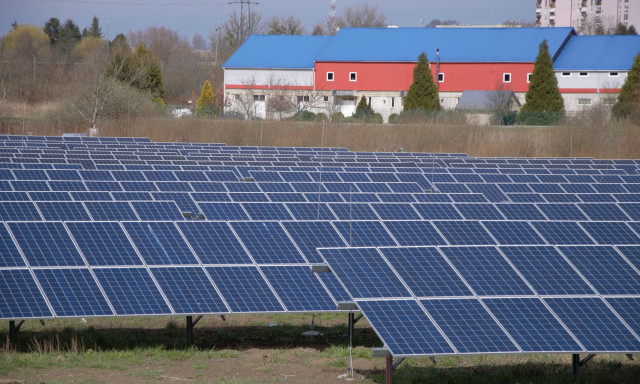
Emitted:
<point x="332" y="16"/>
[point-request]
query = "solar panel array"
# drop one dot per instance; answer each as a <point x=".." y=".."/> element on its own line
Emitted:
<point x="443" y="253"/>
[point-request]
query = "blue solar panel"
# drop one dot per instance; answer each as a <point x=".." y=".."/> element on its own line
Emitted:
<point x="405" y="328"/>
<point x="103" y="186"/>
<point x="19" y="211"/>
<point x="603" y="212"/>
<point x="10" y="255"/>
<point x="208" y="187"/>
<point x="629" y="309"/>
<point x="310" y="211"/>
<point x="110" y="210"/>
<point x="275" y="187"/>
<point x="50" y="196"/>
<point x="189" y="290"/>
<point x="20" y="297"/>
<point x="469" y="326"/>
<point x="267" y="242"/>
<point x="532" y="325"/>
<point x="335" y="288"/>
<point x="63" y="211"/>
<point x="267" y="211"/>
<point x="520" y="211"/>
<point x="464" y="233"/>
<point x="73" y="292"/>
<point x="562" y="232"/>
<point x="546" y="270"/>
<point x="513" y="232"/>
<point x="223" y="211"/>
<point x="104" y="243"/>
<point x="299" y="289"/>
<point x="355" y="211"/>
<point x="604" y="268"/>
<point x="214" y="243"/>
<point x="244" y="289"/>
<point x="400" y="211"/>
<point x="67" y="186"/>
<point x="159" y="243"/>
<point x="364" y="233"/>
<point x="409" y="233"/>
<point x="248" y="197"/>
<point x="525" y="197"/>
<point x="310" y="235"/>
<point x="562" y="212"/>
<point x="632" y="210"/>
<point x="45" y="244"/>
<point x="437" y="211"/>
<point x="426" y="272"/>
<point x="157" y="210"/>
<point x="138" y="186"/>
<point x="595" y="326"/>
<point x="30" y="185"/>
<point x="612" y="232"/>
<point x="131" y="291"/>
<point x="364" y="273"/>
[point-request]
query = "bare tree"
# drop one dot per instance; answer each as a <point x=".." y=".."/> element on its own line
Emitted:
<point x="362" y="16"/>
<point x="238" y="28"/>
<point x="436" y="22"/>
<point x="284" y="26"/>
<point x="198" y="42"/>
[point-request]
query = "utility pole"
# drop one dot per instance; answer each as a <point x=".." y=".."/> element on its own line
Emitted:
<point x="242" y="3"/>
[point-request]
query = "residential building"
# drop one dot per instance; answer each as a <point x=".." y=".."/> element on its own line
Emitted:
<point x="587" y="16"/>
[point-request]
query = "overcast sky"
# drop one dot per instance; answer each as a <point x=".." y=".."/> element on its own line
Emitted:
<point x="188" y="17"/>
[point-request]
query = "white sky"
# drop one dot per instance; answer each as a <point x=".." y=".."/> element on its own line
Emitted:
<point x="188" y="17"/>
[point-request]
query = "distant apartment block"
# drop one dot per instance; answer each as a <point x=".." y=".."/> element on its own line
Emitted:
<point x="587" y="16"/>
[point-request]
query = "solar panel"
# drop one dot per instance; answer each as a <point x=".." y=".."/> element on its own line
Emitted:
<point x="132" y="291"/>
<point x="604" y="268"/>
<point x="479" y="211"/>
<point x="603" y="212"/>
<point x="410" y="233"/>
<point x="45" y="244"/>
<point x="604" y="232"/>
<point x="110" y="210"/>
<point x="189" y="290"/>
<point x="532" y="325"/>
<point x="73" y="292"/>
<point x="18" y="211"/>
<point x="513" y="232"/>
<point x="157" y="210"/>
<point x="310" y="235"/>
<point x="364" y="273"/>
<point x="267" y="211"/>
<point x="426" y="272"/>
<point x="562" y="212"/>
<point x="214" y="242"/>
<point x="469" y="326"/>
<point x="244" y="289"/>
<point x="364" y="233"/>
<point x="267" y="242"/>
<point x="464" y="232"/>
<point x="310" y="211"/>
<point x="159" y="243"/>
<point x="405" y="328"/>
<point x="24" y="301"/>
<point x="520" y="211"/>
<point x="437" y="211"/>
<point x="298" y="288"/>
<point x="595" y="326"/>
<point x="399" y="211"/>
<point x="629" y="309"/>
<point x="104" y="243"/>
<point x="546" y="270"/>
<point x="486" y="271"/>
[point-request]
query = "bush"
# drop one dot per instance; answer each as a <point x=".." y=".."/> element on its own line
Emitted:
<point x="394" y="118"/>
<point x="304" y="116"/>
<point x="539" y="117"/>
<point x="337" y="117"/>
<point x="506" y="118"/>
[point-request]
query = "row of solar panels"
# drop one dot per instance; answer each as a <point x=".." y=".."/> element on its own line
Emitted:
<point x="506" y="299"/>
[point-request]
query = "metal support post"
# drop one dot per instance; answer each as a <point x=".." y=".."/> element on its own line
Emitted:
<point x="190" y="330"/>
<point x="351" y="323"/>
<point x="575" y="360"/>
<point x="13" y="330"/>
<point x="389" y="378"/>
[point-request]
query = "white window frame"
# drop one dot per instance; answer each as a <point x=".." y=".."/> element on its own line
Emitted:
<point x="353" y="76"/>
<point x="584" y="101"/>
<point x="504" y="77"/>
<point x="393" y="102"/>
<point x="583" y="74"/>
<point x="333" y="76"/>
<point x="529" y="75"/>
<point x="441" y="77"/>
<point x="614" y="74"/>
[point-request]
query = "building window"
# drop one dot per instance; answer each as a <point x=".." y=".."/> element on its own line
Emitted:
<point x="303" y="99"/>
<point x="440" y="77"/>
<point x="329" y="76"/>
<point x="325" y="98"/>
<point x="353" y="76"/>
<point x="236" y="97"/>
<point x="584" y="101"/>
<point x="583" y="74"/>
<point x="369" y="100"/>
<point x="566" y="74"/>
<point x="506" y="77"/>
<point x="258" y="98"/>
<point x="613" y="74"/>
<point x="393" y="102"/>
<point x="529" y="77"/>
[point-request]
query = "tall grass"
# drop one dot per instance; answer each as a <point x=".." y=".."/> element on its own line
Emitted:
<point x="581" y="137"/>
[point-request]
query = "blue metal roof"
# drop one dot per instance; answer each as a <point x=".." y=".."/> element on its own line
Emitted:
<point x="598" y="53"/>
<point x="516" y="45"/>
<point x="277" y="51"/>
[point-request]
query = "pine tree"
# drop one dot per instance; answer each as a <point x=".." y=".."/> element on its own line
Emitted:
<point x="94" y="30"/>
<point x="207" y="103"/>
<point x="543" y="94"/>
<point x="422" y="94"/>
<point x="628" y="104"/>
<point x="363" y="110"/>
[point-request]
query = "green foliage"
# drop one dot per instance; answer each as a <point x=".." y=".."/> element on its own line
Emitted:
<point x="52" y="29"/>
<point x="69" y="36"/>
<point x="308" y="116"/>
<point x="543" y="93"/>
<point x="423" y="94"/>
<point x="622" y="29"/>
<point x="539" y="117"/>
<point x="207" y="103"/>
<point x="628" y="104"/>
<point x="94" y="30"/>
<point x="363" y="110"/>
<point x="140" y="70"/>
<point x="162" y="106"/>
<point x="394" y="118"/>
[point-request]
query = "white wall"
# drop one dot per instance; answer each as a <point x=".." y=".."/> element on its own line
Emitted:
<point x="288" y="77"/>
<point x="593" y="80"/>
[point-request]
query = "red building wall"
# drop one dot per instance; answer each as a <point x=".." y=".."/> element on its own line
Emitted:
<point x="458" y="77"/>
